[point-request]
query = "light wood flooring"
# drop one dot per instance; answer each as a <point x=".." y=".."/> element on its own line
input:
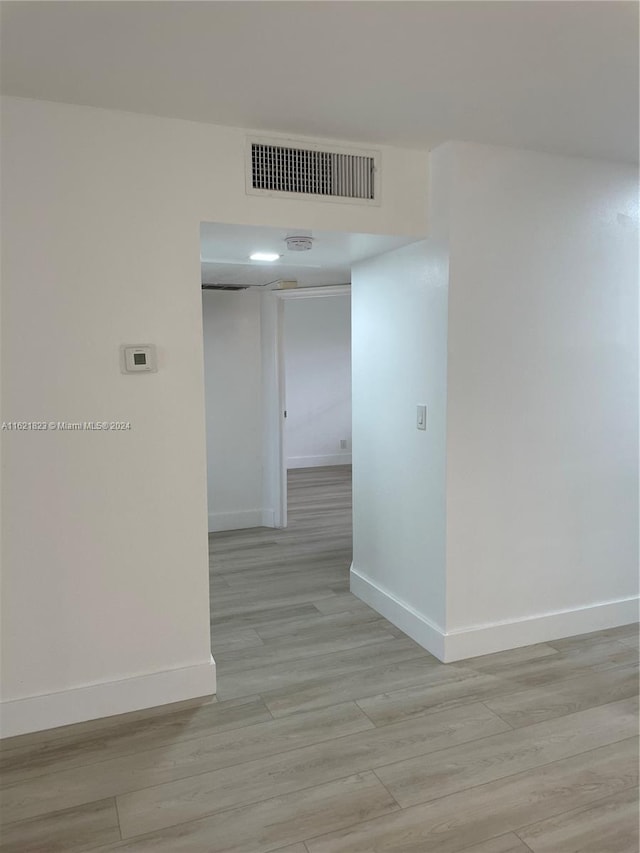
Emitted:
<point x="332" y="732"/>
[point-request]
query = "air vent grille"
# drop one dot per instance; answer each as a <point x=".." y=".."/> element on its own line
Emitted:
<point x="311" y="171"/>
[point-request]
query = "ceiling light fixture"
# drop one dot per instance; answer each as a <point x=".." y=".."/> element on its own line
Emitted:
<point x="264" y="256"/>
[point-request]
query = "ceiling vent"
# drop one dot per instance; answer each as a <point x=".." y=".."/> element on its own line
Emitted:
<point x="211" y="286"/>
<point x="307" y="170"/>
<point x="279" y="284"/>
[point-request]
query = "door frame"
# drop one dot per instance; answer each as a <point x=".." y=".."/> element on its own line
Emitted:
<point x="274" y="394"/>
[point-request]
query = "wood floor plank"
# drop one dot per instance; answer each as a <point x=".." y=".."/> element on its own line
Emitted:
<point x="301" y="647"/>
<point x="129" y="737"/>
<point x="183" y="760"/>
<point x="281" y="574"/>
<point x="620" y="634"/>
<point x="291" y="627"/>
<point x="337" y="604"/>
<point x="337" y="665"/>
<point x="303" y="574"/>
<point x="307" y="588"/>
<point x="454" y="769"/>
<point x="241" y="638"/>
<point x="316" y="692"/>
<point x="189" y="799"/>
<point x="237" y="604"/>
<point x="608" y="826"/>
<point x="578" y="660"/>
<point x="512" y="657"/>
<point x="442" y="688"/>
<point x="72" y="831"/>
<point x="460" y="820"/>
<point x="509" y="843"/>
<point x="266" y="614"/>
<point x="293" y="848"/>
<point x="576" y="694"/>
<point x="267" y="825"/>
<point x="311" y="551"/>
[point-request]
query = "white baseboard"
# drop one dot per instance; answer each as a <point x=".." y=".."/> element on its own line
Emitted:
<point x="319" y="461"/>
<point x="268" y="518"/>
<point x="495" y="637"/>
<point x="429" y="635"/>
<point x="236" y="520"/>
<point x="498" y="636"/>
<point x="94" y="701"/>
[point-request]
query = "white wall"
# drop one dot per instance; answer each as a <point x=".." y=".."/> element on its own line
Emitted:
<point x="542" y="406"/>
<point x="233" y="389"/>
<point x="399" y="307"/>
<point x="542" y="438"/>
<point x="105" y="580"/>
<point x="317" y="355"/>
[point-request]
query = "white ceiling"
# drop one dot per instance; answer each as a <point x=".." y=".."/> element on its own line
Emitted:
<point x="225" y="250"/>
<point x="555" y="76"/>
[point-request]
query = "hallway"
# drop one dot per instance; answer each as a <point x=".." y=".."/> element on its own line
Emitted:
<point x="281" y="597"/>
<point x="332" y="732"/>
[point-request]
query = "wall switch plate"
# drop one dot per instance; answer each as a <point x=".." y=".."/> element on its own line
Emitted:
<point x="138" y="359"/>
<point x="421" y="417"/>
<point x="343" y="444"/>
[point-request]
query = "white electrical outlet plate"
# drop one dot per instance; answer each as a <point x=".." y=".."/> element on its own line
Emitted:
<point x="421" y="417"/>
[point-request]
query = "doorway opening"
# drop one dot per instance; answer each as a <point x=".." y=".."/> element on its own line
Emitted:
<point x="313" y="345"/>
<point x="244" y="346"/>
<point x="278" y="408"/>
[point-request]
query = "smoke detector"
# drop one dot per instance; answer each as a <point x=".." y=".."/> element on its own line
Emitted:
<point x="299" y="243"/>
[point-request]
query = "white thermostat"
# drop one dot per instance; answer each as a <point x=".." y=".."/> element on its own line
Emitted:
<point x="138" y="359"/>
